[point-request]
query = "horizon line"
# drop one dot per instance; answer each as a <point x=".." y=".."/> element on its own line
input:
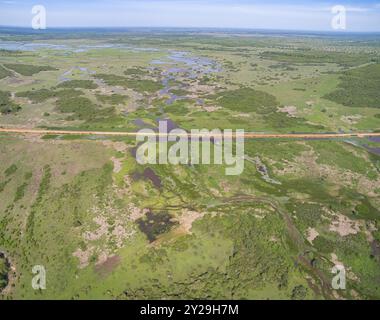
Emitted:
<point x="342" y="32"/>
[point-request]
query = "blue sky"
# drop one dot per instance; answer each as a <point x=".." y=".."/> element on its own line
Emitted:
<point x="270" y="14"/>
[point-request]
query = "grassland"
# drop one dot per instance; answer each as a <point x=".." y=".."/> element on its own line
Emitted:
<point x="107" y="227"/>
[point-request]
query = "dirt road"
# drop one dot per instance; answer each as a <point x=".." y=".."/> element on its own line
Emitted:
<point x="247" y="135"/>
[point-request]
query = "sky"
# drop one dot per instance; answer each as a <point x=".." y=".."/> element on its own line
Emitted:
<point x="271" y="14"/>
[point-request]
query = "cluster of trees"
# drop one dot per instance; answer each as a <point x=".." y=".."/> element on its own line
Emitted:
<point x="246" y="100"/>
<point x="82" y="108"/>
<point x="317" y="57"/>
<point x="358" y="88"/>
<point x="136" y="72"/>
<point x="28" y="69"/>
<point x="6" y="105"/>
<point x="76" y="84"/>
<point x="139" y="85"/>
<point x="42" y="95"/>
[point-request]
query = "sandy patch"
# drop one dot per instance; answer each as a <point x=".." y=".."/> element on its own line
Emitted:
<point x="136" y="213"/>
<point x="211" y="108"/>
<point x="344" y="226"/>
<point x="83" y="256"/>
<point x="117" y="165"/>
<point x="312" y="234"/>
<point x="225" y="186"/>
<point x="354" y="119"/>
<point x="187" y="219"/>
<point x="100" y="232"/>
<point x="201" y="88"/>
<point x="291" y="111"/>
<point x="118" y="146"/>
<point x="242" y="115"/>
<point x="18" y="81"/>
<point x="112" y="228"/>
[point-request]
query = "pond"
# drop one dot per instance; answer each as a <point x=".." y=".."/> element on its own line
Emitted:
<point x="155" y="224"/>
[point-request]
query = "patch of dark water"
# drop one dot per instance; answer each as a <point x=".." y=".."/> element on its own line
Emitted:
<point x="170" y="124"/>
<point x="374" y="150"/>
<point x="133" y="150"/>
<point x="150" y="175"/>
<point x="29" y="46"/>
<point x="153" y="177"/>
<point x="76" y="48"/>
<point x="374" y="139"/>
<point x="375" y="249"/>
<point x="83" y="70"/>
<point x="155" y="224"/>
<point x="200" y="102"/>
<point x="359" y="144"/>
<point x="140" y="123"/>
